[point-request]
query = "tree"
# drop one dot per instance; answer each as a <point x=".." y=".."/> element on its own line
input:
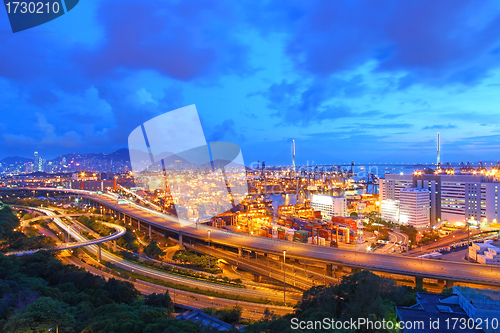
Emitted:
<point x="353" y="214"/>
<point x="160" y="300"/>
<point x="411" y="231"/>
<point x="121" y="291"/>
<point x="228" y="315"/>
<point x="8" y="220"/>
<point x="361" y="295"/>
<point x="41" y="315"/>
<point x="153" y="250"/>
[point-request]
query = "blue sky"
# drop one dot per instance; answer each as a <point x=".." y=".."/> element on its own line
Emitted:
<point x="369" y="81"/>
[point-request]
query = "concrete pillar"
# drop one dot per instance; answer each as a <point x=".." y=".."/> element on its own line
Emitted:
<point x="240" y="252"/>
<point x="181" y="244"/>
<point x="99" y="253"/>
<point x="355" y="270"/>
<point x="138" y="225"/>
<point x="329" y="269"/>
<point x="150" y="231"/>
<point x="441" y="283"/>
<point x="449" y="284"/>
<point x="419" y="282"/>
<point x="257" y="278"/>
<point x="115" y="244"/>
<point x="340" y="268"/>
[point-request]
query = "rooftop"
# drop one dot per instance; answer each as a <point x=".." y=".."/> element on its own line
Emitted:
<point x="482" y="299"/>
<point x="435" y="306"/>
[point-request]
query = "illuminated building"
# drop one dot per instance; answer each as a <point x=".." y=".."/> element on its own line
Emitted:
<point x="389" y="210"/>
<point x="393" y="183"/>
<point x="414" y="207"/>
<point x="455" y="197"/>
<point x="329" y="206"/>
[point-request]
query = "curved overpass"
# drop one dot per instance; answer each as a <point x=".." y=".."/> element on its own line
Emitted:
<point x="119" y="231"/>
<point x="418" y="267"/>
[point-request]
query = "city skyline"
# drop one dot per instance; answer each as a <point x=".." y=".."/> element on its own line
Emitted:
<point x="375" y="84"/>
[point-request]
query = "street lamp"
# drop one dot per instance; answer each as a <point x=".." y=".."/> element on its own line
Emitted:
<point x="377" y="203"/>
<point x="209" y="250"/>
<point x="284" y="277"/>
<point x="57" y="329"/>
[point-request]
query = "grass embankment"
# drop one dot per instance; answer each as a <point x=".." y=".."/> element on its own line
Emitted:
<point x="133" y="276"/>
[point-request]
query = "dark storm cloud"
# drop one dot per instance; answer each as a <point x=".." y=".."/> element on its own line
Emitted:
<point x="430" y="43"/>
<point x="299" y="103"/>
<point x="183" y="40"/>
<point x="433" y="41"/>
<point x="226" y="130"/>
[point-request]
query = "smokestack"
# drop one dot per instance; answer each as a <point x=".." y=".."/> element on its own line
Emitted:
<point x="438" y="151"/>
<point x="295" y="172"/>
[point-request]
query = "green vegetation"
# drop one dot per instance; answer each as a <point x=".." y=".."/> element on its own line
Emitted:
<point x="199" y="262"/>
<point x="17" y="241"/>
<point x="382" y="233"/>
<point x="90" y="222"/>
<point x="429" y="236"/>
<point x="361" y="295"/>
<point x="128" y="241"/>
<point x="173" y="269"/>
<point x="38" y="292"/>
<point x="153" y="250"/>
<point x="135" y="276"/>
<point x="8" y="220"/>
<point x="411" y="231"/>
<point x="13" y="200"/>
<point x="228" y="315"/>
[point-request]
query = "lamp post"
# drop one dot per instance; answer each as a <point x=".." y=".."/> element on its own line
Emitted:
<point x="377" y="203"/>
<point x="209" y="250"/>
<point x="468" y="233"/>
<point x="57" y="329"/>
<point x="284" y="277"/>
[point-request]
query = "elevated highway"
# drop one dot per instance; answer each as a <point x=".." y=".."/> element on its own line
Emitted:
<point x="443" y="271"/>
<point x="119" y="231"/>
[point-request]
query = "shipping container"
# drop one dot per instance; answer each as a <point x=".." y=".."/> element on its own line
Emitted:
<point x="324" y="233"/>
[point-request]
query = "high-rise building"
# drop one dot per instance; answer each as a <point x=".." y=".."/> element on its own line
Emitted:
<point x="457" y="197"/>
<point x="329" y="206"/>
<point x="36" y="162"/>
<point x="389" y="210"/>
<point x="392" y="184"/>
<point x="414" y="208"/>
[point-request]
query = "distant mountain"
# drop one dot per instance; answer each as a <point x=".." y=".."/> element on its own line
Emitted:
<point x="119" y="155"/>
<point x="16" y="160"/>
